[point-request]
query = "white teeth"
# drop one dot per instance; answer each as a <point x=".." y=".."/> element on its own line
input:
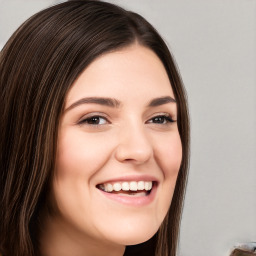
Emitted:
<point x="133" y="186"/>
<point x="148" y="185"/>
<point x="109" y="187"/>
<point x="117" y="186"/>
<point x="141" y="185"/>
<point x="127" y="186"/>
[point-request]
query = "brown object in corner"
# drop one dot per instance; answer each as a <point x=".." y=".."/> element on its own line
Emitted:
<point x="242" y="252"/>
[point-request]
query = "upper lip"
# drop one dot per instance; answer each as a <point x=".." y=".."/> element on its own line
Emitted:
<point x="131" y="178"/>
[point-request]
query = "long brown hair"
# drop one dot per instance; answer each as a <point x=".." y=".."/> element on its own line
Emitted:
<point x="38" y="65"/>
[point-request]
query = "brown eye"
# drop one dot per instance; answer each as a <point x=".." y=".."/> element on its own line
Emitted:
<point x="161" y="119"/>
<point x="94" y="120"/>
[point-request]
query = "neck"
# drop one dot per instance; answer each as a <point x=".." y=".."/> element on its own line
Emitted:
<point x="58" y="239"/>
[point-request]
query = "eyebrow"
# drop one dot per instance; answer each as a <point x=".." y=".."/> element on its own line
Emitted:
<point x="114" y="103"/>
<point x="161" y="101"/>
<point x="109" y="102"/>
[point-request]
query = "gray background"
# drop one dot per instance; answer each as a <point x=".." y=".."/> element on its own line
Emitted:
<point x="214" y="43"/>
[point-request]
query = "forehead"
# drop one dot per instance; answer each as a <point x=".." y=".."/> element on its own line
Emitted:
<point x="132" y="72"/>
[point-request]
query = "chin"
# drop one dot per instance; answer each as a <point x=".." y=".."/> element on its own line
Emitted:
<point x="132" y="234"/>
<point x="138" y="238"/>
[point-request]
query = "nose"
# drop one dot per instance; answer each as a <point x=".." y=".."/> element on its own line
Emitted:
<point x="134" y="145"/>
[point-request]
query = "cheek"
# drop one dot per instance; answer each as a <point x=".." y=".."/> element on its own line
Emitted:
<point x="169" y="155"/>
<point x="79" y="158"/>
<point x="80" y="155"/>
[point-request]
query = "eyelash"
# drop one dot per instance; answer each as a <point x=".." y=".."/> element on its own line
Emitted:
<point x="91" y="119"/>
<point x="163" y="119"/>
<point x="167" y="119"/>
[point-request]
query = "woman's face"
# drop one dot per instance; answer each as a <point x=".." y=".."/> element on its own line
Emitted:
<point x="118" y="137"/>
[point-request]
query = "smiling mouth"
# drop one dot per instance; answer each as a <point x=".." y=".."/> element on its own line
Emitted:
<point x="132" y="188"/>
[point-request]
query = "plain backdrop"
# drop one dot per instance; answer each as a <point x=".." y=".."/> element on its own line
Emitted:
<point x="214" y="44"/>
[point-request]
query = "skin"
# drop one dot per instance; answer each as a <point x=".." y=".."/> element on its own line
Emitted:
<point x="127" y="140"/>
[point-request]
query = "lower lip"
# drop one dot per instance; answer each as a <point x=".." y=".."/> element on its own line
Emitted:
<point x="130" y="200"/>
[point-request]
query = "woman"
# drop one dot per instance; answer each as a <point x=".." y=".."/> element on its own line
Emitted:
<point x="94" y="135"/>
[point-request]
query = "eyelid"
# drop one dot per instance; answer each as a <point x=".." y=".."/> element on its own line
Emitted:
<point x="91" y="115"/>
<point x="163" y="114"/>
